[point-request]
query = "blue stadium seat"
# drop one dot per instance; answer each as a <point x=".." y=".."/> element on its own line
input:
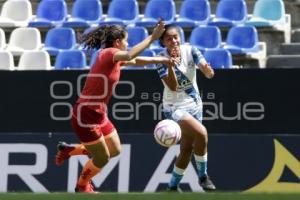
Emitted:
<point x="230" y="13"/>
<point x="84" y="13"/>
<point x="206" y="37"/>
<point x="156" y="9"/>
<point x="58" y="39"/>
<point x="242" y="40"/>
<point x="149" y="53"/>
<point x="156" y="47"/>
<point x="135" y="35"/>
<point x="193" y="13"/>
<point x="218" y="58"/>
<point x="182" y="35"/>
<point x="267" y="13"/>
<point x="50" y="13"/>
<point x="122" y="12"/>
<point x="70" y="59"/>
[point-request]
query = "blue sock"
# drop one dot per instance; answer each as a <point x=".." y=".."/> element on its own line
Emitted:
<point x="177" y="175"/>
<point x="201" y="162"/>
<point x="202" y="169"/>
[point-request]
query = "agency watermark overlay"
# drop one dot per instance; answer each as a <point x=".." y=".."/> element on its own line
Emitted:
<point x="132" y="104"/>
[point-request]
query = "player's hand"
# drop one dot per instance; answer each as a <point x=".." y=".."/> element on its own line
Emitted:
<point x="170" y="61"/>
<point x="174" y="61"/>
<point x="175" y="52"/>
<point x="208" y="71"/>
<point x="166" y="61"/>
<point x="158" y="30"/>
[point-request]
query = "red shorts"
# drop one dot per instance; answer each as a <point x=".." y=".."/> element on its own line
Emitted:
<point x="90" y="125"/>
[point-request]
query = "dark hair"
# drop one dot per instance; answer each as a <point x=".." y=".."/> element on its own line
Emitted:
<point x="168" y="27"/>
<point x="102" y="36"/>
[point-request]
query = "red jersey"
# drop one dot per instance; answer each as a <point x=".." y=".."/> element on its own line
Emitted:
<point x="101" y="80"/>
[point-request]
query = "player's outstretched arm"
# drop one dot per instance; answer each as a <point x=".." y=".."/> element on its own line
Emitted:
<point x="140" y="47"/>
<point x="147" y="60"/>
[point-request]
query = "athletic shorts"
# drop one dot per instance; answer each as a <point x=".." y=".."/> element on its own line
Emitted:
<point x="90" y="125"/>
<point x="177" y="113"/>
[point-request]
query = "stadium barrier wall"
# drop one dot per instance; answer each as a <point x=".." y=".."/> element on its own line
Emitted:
<point x="251" y="115"/>
<point x="240" y="162"/>
<point x="235" y="101"/>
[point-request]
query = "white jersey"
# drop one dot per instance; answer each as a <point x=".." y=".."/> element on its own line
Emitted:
<point x="187" y="93"/>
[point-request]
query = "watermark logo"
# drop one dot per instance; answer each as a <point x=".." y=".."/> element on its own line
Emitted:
<point x="133" y="104"/>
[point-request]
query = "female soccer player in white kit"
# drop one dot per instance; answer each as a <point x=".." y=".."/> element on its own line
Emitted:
<point x="182" y="103"/>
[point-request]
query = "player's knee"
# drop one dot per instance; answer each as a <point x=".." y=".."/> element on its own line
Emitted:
<point x="116" y="152"/>
<point x="202" y="132"/>
<point x="101" y="160"/>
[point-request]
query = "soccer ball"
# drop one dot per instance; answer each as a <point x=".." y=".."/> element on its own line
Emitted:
<point x="167" y="133"/>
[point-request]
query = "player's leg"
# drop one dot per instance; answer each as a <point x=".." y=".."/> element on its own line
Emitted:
<point x="186" y="148"/>
<point x="99" y="158"/>
<point x="93" y="140"/>
<point x="113" y="143"/>
<point x="194" y="126"/>
<point x="201" y="159"/>
<point x="199" y="134"/>
<point x="65" y="150"/>
<point x="200" y="149"/>
<point x="88" y="130"/>
<point x="112" y="138"/>
<point x="182" y="161"/>
<point x="108" y="146"/>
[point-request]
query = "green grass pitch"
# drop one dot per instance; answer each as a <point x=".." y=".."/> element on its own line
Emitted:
<point x="149" y="196"/>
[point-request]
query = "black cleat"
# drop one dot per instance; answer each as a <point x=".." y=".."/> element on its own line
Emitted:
<point x="61" y="145"/>
<point x="174" y="189"/>
<point x="63" y="150"/>
<point x="206" y="183"/>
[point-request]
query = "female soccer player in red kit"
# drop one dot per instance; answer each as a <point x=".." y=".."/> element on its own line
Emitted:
<point x="97" y="134"/>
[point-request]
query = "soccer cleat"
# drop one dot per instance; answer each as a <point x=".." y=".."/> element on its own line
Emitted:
<point x="63" y="150"/>
<point x="88" y="188"/>
<point x="206" y="183"/>
<point x="174" y="189"/>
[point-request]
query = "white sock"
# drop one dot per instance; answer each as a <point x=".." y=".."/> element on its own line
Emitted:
<point x="201" y="158"/>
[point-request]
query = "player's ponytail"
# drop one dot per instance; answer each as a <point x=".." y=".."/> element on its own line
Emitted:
<point x="102" y="36"/>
